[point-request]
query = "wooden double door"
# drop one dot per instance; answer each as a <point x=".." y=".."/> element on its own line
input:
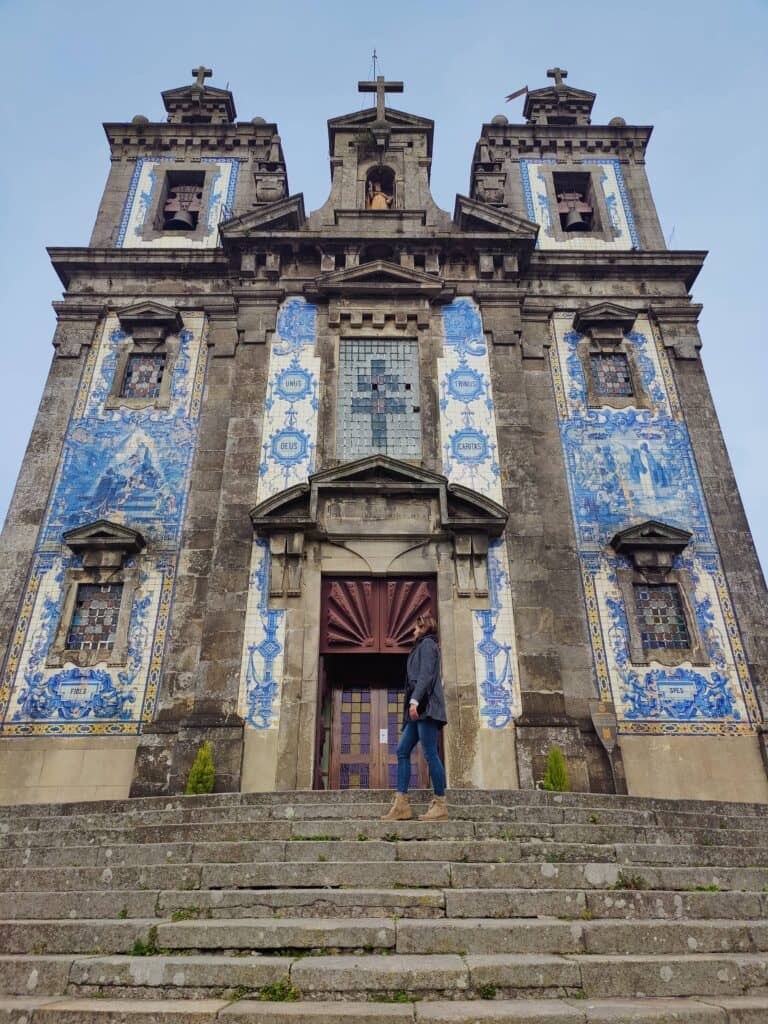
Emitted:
<point x="366" y="634"/>
<point x="366" y="722"/>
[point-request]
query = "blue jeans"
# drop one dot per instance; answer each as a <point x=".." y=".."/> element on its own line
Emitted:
<point x="424" y="731"/>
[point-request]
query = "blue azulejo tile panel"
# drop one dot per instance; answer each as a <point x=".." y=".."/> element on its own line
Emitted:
<point x="262" y="668"/>
<point x="470" y="457"/>
<point x="147" y="178"/>
<point x="130" y="467"/>
<point x="624" y="467"/>
<point x="289" y="439"/>
<point x="538" y="208"/>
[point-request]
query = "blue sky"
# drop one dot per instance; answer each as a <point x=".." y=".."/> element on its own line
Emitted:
<point x="695" y="70"/>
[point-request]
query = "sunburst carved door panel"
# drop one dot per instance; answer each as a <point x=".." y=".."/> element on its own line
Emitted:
<point x="373" y="615"/>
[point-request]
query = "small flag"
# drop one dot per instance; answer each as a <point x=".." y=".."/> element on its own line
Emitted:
<point x="520" y="92"/>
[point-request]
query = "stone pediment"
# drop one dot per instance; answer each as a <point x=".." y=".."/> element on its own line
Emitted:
<point x="379" y="501"/>
<point x="604" y="313"/>
<point x="103" y="542"/>
<point x="151" y="319"/>
<point x="206" y="99"/>
<point x="459" y="508"/>
<point x="395" y="118"/>
<point x="284" y="215"/>
<point x="472" y="215"/>
<point x="652" y="544"/>
<point x="381" y="276"/>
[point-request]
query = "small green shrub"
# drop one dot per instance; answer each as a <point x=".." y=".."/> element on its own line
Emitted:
<point x="202" y="772"/>
<point x="487" y="991"/>
<point x="556" y="774"/>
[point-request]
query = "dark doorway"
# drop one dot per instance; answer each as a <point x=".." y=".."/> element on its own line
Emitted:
<point x="366" y="627"/>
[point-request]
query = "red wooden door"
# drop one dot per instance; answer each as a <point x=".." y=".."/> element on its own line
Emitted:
<point x="373" y="616"/>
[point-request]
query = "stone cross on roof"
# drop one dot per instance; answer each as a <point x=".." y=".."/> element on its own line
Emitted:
<point x="202" y="73"/>
<point x="558" y="74"/>
<point x="380" y="87"/>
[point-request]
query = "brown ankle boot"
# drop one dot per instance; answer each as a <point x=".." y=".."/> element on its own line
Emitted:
<point x="437" y="810"/>
<point x="400" y="809"/>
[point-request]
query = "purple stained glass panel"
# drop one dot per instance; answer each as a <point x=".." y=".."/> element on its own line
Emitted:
<point x="662" y="618"/>
<point x="94" y="620"/>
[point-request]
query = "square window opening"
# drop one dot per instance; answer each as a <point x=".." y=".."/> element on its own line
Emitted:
<point x="94" y="619"/>
<point x="611" y="375"/>
<point x="183" y="200"/>
<point x="143" y="375"/>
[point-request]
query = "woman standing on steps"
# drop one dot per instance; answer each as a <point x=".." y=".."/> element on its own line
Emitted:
<point x="423" y="718"/>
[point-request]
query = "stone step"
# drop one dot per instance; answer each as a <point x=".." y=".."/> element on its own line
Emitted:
<point x="260" y="831"/>
<point x="318" y="848"/>
<point x="334" y="810"/>
<point x="215" y="903"/>
<point x="384" y="874"/>
<point x="717" y="1010"/>
<point x="428" y="977"/>
<point x="406" y="935"/>
<point x="600" y="875"/>
<point x="586" y="904"/>
<point x="576" y="904"/>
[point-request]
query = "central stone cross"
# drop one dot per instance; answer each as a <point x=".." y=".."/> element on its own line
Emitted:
<point x="558" y="74"/>
<point x="380" y="87"/>
<point x="201" y="74"/>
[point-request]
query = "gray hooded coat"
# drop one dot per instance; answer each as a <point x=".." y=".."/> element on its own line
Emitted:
<point x="423" y="682"/>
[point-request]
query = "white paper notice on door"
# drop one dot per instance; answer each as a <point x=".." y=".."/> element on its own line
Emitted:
<point x="383" y="735"/>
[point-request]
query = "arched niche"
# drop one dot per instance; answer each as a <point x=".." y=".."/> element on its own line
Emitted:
<point x="380" y="188"/>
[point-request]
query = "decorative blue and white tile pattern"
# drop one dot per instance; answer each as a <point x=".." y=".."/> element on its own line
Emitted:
<point x="147" y="176"/>
<point x="289" y="442"/>
<point x="624" y="467"/>
<point x="616" y="201"/>
<point x="470" y="457"/>
<point x="132" y="467"/>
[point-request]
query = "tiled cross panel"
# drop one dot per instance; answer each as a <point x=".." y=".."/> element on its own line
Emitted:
<point x="94" y="621"/>
<point x="662" y="619"/>
<point x="379" y="406"/>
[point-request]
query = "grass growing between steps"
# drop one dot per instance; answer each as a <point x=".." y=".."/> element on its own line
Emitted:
<point x="148" y="948"/>
<point x="625" y="881"/>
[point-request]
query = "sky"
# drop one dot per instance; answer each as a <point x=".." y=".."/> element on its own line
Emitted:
<point x="694" y="70"/>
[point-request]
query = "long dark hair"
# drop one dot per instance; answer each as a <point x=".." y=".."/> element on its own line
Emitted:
<point x="431" y="624"/>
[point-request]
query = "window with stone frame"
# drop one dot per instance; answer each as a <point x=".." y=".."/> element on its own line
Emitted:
<point x="661" y="615"/>
<point x="658" y="595"/>
<point x="378" y="399"/>
<point x="611" y="374"/>
<point x="97" y="595"/>
<point x="146" y="357"/>
<point x="93" y="625"/>
<point x="143" y="375"/>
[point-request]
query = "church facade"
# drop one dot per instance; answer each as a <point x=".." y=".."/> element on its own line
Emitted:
<point x="270" y="439"/>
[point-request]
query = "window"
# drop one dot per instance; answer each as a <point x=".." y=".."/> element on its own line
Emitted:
<point x="144" y="375"/>
<point x="661" y="616"/>
<point x="378" y="399"/>
<point x="183" y="200"/>
<point x="611" y="375"/>
<point x="146" y="357"/>
<point x="97" y="595"/>
<point x="93" y="626"/>
<point x="658" y="595"/>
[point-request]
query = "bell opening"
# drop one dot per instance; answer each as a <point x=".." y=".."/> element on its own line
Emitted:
<point x="183" y="200"/>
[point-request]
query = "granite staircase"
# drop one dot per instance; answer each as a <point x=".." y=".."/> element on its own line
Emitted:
<point x="277" y="908"/>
